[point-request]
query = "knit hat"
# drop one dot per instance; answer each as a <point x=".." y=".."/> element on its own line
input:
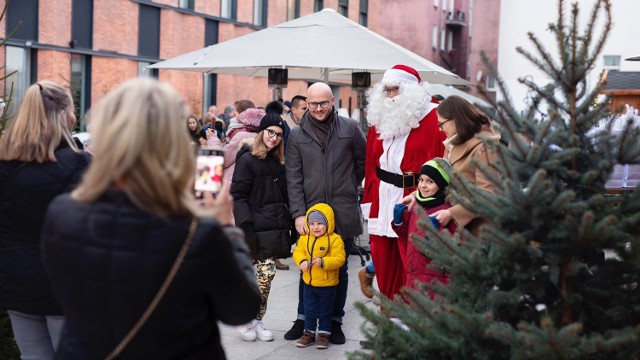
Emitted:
<point x="272" y="117"/>
<point x="401" y="74"/>
<point x="251" y="117"/>
<point x="438" y="170"/>
<point x="317" y="216"/>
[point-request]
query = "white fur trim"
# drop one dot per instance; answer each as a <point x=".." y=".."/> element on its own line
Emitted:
<point x="395" y="76"/>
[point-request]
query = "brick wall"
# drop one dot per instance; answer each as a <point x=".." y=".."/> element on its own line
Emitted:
<point x="115" y="28"/>
<point x="54" y="22"/>
<point x="54" y="66"/>
<point x="108" y="73"/>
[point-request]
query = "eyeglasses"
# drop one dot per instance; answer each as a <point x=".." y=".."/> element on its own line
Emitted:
<point x="392" y="90"/>
<point x="272" y="134"/>
<point x="324" y="104"/>
<point x="440" y="124"/>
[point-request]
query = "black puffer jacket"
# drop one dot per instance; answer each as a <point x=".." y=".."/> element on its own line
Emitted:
<point x="259" y="190"/>
<point x="107" y="259"/>
<point x="26" y="189"/>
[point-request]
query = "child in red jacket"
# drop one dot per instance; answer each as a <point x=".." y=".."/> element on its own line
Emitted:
<point x="433" y="181"/>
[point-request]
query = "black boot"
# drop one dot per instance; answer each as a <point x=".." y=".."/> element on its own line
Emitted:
<point x="337" y="336"/>
<point x="296" y="330"/>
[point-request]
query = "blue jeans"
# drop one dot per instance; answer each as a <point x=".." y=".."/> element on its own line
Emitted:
<point x="37" y="336"/>
<point x="318" y="306"/>
<point x="341" y="289"/>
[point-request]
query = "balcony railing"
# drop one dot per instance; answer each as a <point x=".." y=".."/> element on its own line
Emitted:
<point x="456" y="18"/>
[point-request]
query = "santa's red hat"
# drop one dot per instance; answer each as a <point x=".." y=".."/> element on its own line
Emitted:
<point x="401" y="74"/>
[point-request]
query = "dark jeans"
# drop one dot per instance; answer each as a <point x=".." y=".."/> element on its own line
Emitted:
<point x="341" y="289"/>
<point x="318" y="306"/>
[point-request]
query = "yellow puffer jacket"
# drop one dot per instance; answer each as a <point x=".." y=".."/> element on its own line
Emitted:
<point x="329" y="247"/>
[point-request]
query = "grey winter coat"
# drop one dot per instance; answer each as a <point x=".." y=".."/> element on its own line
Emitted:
<point x="331" y="176"/>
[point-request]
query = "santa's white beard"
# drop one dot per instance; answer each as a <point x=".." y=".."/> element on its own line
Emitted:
<point x="396" y="116"/>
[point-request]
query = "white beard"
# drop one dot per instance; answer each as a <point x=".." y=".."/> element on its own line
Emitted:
<point x="396" y="116"/>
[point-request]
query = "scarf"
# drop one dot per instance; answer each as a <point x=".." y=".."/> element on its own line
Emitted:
<point x="322" y="128"/>
<point x="436" y="200"/>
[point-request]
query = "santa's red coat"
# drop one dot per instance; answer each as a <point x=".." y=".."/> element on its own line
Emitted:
<point x="398" y="155"/>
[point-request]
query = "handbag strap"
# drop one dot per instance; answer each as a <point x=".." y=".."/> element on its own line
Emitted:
<point x="152" y="306"/>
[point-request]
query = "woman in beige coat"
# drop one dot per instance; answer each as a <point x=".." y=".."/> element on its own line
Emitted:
<point x="461" y="122"/>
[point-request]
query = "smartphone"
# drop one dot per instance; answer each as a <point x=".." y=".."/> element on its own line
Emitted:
<point x="209" y="170"/>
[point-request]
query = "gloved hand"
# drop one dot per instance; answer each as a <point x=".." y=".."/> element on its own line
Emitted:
<point x="435" y="222"/>
<point x="250" y="237"/>
<point x="398" y="212"/>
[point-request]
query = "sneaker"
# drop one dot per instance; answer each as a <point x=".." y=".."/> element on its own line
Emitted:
<point x="247" y="332"/>
<point x="262" y="333"/>
<point x="323" y="341"/>
<point x="306" y="339"/>
<point x="366" y="283"/>
<point x="337" y="336"/>
<point x="296" y="330"/>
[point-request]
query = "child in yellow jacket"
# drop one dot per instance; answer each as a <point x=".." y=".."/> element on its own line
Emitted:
<point x="319" y="255"/>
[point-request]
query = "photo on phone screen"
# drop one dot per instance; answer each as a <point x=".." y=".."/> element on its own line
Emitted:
<point x="209" y="169"/>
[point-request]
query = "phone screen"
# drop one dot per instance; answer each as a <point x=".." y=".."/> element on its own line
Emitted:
<point x="209" y="169"/>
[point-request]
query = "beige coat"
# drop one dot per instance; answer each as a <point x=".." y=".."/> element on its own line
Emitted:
<point x="460" y="157"/>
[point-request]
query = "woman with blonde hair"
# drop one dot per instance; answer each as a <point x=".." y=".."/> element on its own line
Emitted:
<point x="261" y="208"/>
<point x="131" y="240"/>
<point x="38" y="161"/>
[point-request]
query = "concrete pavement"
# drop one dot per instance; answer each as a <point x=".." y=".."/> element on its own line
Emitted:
<point x="281" y="312"/>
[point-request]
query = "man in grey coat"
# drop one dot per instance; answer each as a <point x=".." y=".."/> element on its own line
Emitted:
<point x="325" y="163"/>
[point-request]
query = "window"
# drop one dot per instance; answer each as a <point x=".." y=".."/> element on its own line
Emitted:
<point x="228" y="9"/>
<point x="444" y="5"/>
<point x="434" y="37"/>
<point x="343" y="7"/>
<point x="435" y="4"/>
<point x="186" y="4"/>
<point x="82" y="24"/>
<point x="451" y="3"/>
<point x="17" y="62"/>
<point x="443" y="37"/>
<point x="449" y="40"/>
<point x="612" y="62"/>
<point x="144" y="72"/>
<point x="149" y="31"/>
<point x="491" y="82"/>
<point x="293" y="9"/>
<point x="26" y="13"/>
<point x="318" y="5"/>
<point x="81" y="86"/>
<point x="364" y="10"/>
<point x="260" y="12"/>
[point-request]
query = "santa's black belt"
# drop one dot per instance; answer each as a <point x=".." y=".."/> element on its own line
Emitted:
<point x="404" y="181"/>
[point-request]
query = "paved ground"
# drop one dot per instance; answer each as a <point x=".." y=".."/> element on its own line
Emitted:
<point x="283" y="302"/>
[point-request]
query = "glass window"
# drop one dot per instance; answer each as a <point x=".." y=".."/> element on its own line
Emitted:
<point x="443" y="37"/>
<point x="78" y="85"/>
<point x="293" y="9"/>
<point x="612" y="61"/>
<point x="17" y="64"/>
<point x="444" y="5"/>
<point x="227" y="9"/>
<point x="318" y="5"/>
<point x="364" y="12"/>
<point x="434" y="37"/>
<point x="435" y="3"/>
<point x="491" y="82"/>
<point x="186" y="4"/>
<point x="343" y="7"/>
<point x="259" y="12"/>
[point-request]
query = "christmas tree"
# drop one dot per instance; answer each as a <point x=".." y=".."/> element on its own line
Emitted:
<point x="556" y="274"/>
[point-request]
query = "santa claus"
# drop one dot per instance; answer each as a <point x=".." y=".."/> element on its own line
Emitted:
<point x="403" y="135"/>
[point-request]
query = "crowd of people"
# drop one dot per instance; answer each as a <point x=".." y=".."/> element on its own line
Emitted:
<point x="117" y="237"/>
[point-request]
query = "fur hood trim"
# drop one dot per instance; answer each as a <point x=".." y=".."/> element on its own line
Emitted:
<point x="251" y="117"/>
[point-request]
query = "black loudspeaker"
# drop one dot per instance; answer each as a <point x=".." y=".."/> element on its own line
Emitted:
<point x="278" y="77"/>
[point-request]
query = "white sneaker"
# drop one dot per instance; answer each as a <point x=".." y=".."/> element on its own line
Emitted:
<point x="261" y="331"/>
<point x="247" y="331"/>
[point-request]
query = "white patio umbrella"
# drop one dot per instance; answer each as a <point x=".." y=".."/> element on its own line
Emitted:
<point x="633" y="58"/>
<point x="446" y="91"/>
<point x="320" y="46"/>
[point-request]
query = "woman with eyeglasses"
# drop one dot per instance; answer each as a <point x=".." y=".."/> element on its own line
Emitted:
<point x="261" y="209"/>
<point x="461" y="122"/>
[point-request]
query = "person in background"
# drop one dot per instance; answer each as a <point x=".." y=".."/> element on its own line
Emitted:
<point x="319" y="255"/>
<point x="298" y="108"/>
<point x="461" y="121"/>
<point x="403" y="133"/>
<point x="212" y="111"/>
<point x="325" y="163"/>
<point x="259" y="189"/>
<point x="38" y="161"/>
<point x="430" y="196"/>
<point x="227" y="115"/>
<point x="194" y="129"/>
<point x="109" y="245"/>
<point x="239" y="107"/>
